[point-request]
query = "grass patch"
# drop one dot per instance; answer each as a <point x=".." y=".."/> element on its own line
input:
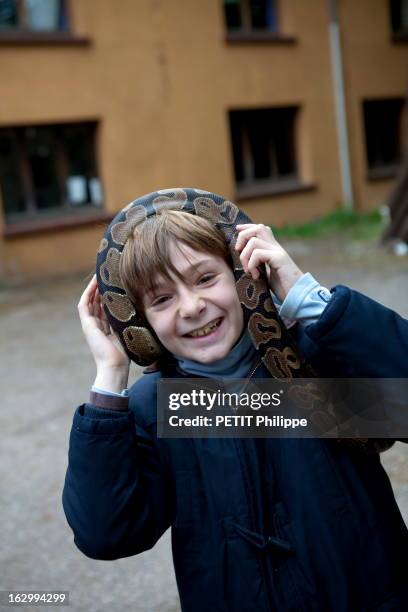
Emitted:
<point x="359" y="226"/>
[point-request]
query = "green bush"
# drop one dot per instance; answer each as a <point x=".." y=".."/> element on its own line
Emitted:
<point x="363" y="226"/>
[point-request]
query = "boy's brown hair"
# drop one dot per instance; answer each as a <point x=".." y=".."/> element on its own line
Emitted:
<point x="147" y="254"/>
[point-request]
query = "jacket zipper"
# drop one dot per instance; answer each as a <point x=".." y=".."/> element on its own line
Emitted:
<point x="262" y="561"/>
<point x="254" y="368"/>
<point x="244" y="471"/>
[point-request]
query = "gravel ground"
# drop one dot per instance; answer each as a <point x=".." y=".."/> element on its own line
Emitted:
<point x="46" y="372"/>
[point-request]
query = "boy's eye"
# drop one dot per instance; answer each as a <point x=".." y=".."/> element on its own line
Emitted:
<point x="206" y="278"/>
<point x="160" y="300"/>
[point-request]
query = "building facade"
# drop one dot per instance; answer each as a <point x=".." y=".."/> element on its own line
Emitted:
<point x="275" y="104"/>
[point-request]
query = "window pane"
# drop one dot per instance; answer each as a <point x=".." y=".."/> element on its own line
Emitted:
<point x="236" y="142"/>
<point x="8" y="14"/>
<point x="263" y="14"/>
<point x="78" y="143"/>
<point x="79" y="148"/>
<point x="41" y="154"/>
<point x="47" y="168"/>
<point x="382" y="120"/>
<point x="42" y="15"/>
<point x="404" y="15"/>
<point x="10" y="180"/>
<point x="263" y="144"/>
<point x="284" y="138"/>
<point x="399" y="16"/>
<point x="260" y="140"/>
<point x="233" y="16"/>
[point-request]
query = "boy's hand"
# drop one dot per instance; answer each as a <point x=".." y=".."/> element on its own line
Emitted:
<point x="258" y="246"/>
<point x="112" y="363"/>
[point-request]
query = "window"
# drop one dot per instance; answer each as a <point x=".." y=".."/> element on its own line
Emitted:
<point x="48" y="170"/>
<point x="263" y="144"/>
<point x="383" y="129"/>
<point x="250" y="15"/>
<point x="399" y="16"/>
<point x="33" y="15"/>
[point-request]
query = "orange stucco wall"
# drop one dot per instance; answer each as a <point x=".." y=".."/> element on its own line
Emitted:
<point x="374" y="67"/>
<point x="53" y="254"/>
<point x="160" y="79"/>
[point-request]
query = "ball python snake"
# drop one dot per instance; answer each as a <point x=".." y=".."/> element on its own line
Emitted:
<point x="269" y="335"/>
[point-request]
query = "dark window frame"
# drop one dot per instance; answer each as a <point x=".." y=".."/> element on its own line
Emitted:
<point x="382" y="140"/>
<point x="246" y="15"/>
<point x="398" y="30"/>
<point x="264" y="156"/>
<point x="22" y="18"/>
<point x="28" y="198"/>
<point x="20" y="33"/>
<point x="246" y="32"/>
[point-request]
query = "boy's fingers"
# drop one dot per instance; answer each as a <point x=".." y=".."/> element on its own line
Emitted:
<point x="258" y="257"/>
<point x="96" y="308"/>
<point x="88" y="291"/>
<point x="247" y="250"/>
<point x="93" y="283"/>
<point x="243" y="238"/>
<point x="100" y="312"/>
<point x="106" y="327"/>
<point x="246" y="231"/>
<point x="84" y="303"/>
<point x="103" y="313"/>
<point x="254" y="243"/>
<point x="88" y="306"/>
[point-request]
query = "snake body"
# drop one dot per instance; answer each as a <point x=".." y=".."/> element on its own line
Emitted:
<point x="269" y="335"/>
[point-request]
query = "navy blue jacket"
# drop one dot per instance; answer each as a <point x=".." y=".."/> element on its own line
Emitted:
<point x="257" y="524"/>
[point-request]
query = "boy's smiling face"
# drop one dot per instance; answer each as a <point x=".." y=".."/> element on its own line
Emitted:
<point x="197" y="316"/>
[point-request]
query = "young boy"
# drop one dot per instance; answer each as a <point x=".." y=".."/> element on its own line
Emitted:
<point x="257" y="524"/>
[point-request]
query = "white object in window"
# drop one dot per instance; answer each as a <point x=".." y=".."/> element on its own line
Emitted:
<point x="95" y="189"/>
<point x="42" y="15"/>
<point x="77" y="192"/>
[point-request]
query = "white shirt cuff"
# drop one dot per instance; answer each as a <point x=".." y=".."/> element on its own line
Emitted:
<point x="306" y="301"/>
<point x="124" y="393"/>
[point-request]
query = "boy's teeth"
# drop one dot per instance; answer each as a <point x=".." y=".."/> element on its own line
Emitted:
<point x="204" y="330"/>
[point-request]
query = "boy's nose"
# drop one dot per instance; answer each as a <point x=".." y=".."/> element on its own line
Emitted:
<point x="191" y="305"/>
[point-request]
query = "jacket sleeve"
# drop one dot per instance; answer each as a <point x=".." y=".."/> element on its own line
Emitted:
<point x="358" y="337"/>
<point x="117" y="495"/>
